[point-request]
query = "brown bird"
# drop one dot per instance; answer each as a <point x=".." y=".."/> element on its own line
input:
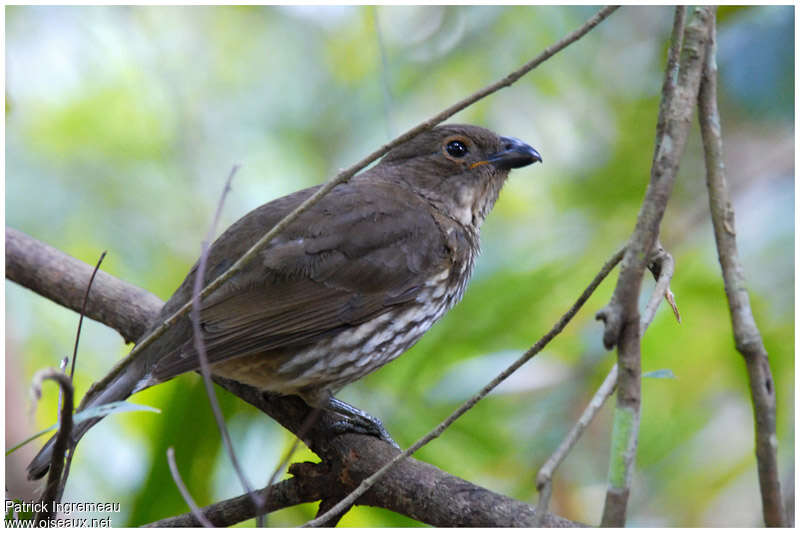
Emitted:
<point x="349" y="286"/>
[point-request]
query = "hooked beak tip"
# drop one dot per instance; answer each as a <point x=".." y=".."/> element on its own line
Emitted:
<point x="514" y="154"/>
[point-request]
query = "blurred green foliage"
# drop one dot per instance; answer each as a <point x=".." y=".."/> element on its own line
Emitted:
<point x="122" y="123"/>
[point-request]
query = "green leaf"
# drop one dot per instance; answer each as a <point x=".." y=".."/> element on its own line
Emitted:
<point x="87" y="414"/>
<point x="664" y="373"/>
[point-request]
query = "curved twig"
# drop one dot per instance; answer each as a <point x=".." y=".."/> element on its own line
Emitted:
<point x="63" y="438"/>
<point x="187" y="497"/>
<point x="83" y="313"/>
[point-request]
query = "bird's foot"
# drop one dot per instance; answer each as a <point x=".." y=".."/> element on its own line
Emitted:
<point x="359" y="421"/>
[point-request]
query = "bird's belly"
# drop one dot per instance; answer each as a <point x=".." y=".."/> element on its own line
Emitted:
<point x="332" y="362"/>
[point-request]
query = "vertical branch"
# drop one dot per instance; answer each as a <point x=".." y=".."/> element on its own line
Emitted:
<point x="671" y="73"/>
<point x="745" y="332"/>
<point x="621" y="315"/>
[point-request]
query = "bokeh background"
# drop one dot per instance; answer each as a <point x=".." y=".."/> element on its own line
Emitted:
<point x="122" y="124"/>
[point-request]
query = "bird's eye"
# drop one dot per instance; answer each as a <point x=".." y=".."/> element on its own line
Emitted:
<point x="457" y="149"/>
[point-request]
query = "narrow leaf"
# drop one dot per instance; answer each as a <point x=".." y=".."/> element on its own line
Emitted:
<point x="664" y="373"/>
<point x="88" y="414"/>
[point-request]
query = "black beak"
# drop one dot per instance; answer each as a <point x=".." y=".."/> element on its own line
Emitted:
<point x="514" y="154"/>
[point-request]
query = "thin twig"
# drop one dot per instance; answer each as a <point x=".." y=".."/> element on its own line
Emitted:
<point x="385" y="85"/>
<point x="83" y="313"/>
<point x="344" y="175"/>
<point x="745" y="331"/>
<point x="663" y="267"/>
<point x="187" y="497"/>
<point x="63" y="439"/>
<point x="466" y="406"/>
<point x="200" y="347"/>
<point x="621" y="315"/>
<point x="545" y="476"/>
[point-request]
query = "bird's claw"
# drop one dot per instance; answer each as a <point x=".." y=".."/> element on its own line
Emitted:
<point x="358" y="421"/>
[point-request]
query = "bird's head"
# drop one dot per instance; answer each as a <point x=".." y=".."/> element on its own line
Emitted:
<point x="459" y="168"/>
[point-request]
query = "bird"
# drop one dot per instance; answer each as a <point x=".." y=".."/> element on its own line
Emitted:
<point x="347" y="287"/>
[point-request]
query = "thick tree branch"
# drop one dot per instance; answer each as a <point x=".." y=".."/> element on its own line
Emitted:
<point x="412" y="488"/>
<point x="63" y="279"/>
<point x="745" y="332"/>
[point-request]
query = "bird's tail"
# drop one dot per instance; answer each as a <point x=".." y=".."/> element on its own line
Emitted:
<point x="124" y="381"/>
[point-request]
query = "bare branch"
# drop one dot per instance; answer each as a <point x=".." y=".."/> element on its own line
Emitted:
<point x="670" y="143"/>
<point x="745" y="331"/>
<point x="671" y="73"/>
<point x="544" y="478"/>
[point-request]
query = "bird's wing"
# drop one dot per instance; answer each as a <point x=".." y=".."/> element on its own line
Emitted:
<point x="356" y="256"/>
